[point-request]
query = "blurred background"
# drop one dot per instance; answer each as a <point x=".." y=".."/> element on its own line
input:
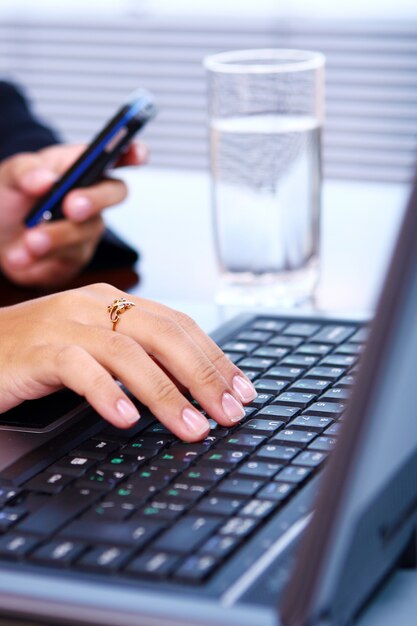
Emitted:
<point x="78" y="61"/>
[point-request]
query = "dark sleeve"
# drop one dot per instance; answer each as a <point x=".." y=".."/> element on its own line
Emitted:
<point x="20" y="131"/>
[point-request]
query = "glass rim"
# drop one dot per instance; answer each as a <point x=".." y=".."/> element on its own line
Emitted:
<point x="237" y="61"/>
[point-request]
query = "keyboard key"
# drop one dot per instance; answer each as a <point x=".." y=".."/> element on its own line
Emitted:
<point x="276" y="491"/>
<point x="49" y="483"/>
<point x="339" y="360"/>
<point x="161" y="509"/>
<point x="310" y="458"/>
<point x="72" y="465"/>
<point x="260" y="400"/>
<point x="251" y="374"/>
<point x="224" y="457"/>
<point x="323" y="444"/>
<point x="301" y="329"/>
<point x="239" y="527"/>
<point x="102" y="480"/>
<point x="10" y="516"/>
<point x="314" y="349"/>
<point x="257" y="363"/>
<point x="337" y="394"/>
<point x="346" y="382"/>
<point x="333" y="430"/>
<point x="136" y="534"/>
<point x="238" y="487"/>
<point x="285" y="341"/>
<point x="334" y="334"/>
<point x="350" y="348"/>
<point x="205" y="474"/>
<point x="314" y="423"/>
<point x="234" y="357"/>
<point x="258" y="469"/>
<point x="246" y="347"/>
<point x="273" y="452"/>
<point x="97" y="449"/>
<point x="330" y="373"/>
<point x="270" y="385"/>
<point x="275" y="410"/>
<point x="187" y="534"/>
<point x="58" y="552"/>
<point x="285" y="373"/>
<point x="259" y="509"/>
<point x="293" y="474"/>
<point x="219" y="546"/>
<point x="242" y="440"/>
<point x="191" y="492"/>
<point x="294" y="437"/>
<point x="254" y="335"/>
<point x="196" y="568"/>
<point x="216" y="505"/>
<point x="269" y="325"/>
<point x="273" y="352"/>
<point x="263" y="426"/>
<point x="16" y="545"/>
<point x="109" y="509"/>
<point x="327" y="409"/>
<point x="300" y="360"/>
<point x="105" y="558"/>
<point x="153" y="564"/>
<point x="295" y="398"/>
<point x="310" y="385"/>
<point x="361" y="336"/>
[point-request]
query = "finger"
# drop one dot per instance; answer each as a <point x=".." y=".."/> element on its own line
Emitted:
<point x="81" y="204"/>
<point x="130" y="363"/>
<point x="242" y="388"/>
<point x="55" y="237"/>
<point x="75" y="368"/>
<point x="165" y="340"/>
<point x="28" y="172"/>
<point x="136" y="154"/>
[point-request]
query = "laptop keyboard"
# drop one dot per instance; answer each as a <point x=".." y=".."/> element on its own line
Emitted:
<point x="148" y="505"/>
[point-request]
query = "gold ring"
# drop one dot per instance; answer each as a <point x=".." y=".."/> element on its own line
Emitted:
<point x="116" y="308"/>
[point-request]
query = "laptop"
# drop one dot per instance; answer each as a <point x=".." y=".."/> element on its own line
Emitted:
<point x="294" y="517"/>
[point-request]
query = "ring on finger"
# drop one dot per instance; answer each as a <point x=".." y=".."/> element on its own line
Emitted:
<point x="116" y="308"/>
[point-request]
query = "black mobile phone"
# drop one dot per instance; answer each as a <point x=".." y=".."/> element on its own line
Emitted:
<point x="100" y="155"/>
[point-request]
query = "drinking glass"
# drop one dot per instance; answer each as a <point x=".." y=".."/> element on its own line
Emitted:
<point x="266" y="112"/>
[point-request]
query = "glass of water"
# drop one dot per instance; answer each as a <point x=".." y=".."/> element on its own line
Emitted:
<point x="266" y="112"/>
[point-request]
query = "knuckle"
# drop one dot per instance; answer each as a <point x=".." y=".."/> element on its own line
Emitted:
<point x="206" y="374"/>
<point x="166" y="327"/>
<point x="118" y="344"/>
<point x="68" y="355"/>
<point x="163" y="390"/>
<point x="185" y="321"/>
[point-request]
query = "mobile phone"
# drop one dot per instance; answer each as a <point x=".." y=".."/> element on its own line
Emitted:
<point x="99" y="156"/>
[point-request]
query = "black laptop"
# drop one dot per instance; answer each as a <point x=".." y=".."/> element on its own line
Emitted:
<point x="293" y="517"/>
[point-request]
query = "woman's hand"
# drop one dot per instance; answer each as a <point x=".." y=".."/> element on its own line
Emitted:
<point x="67" y="340"/>
<point x="50" y="254"/>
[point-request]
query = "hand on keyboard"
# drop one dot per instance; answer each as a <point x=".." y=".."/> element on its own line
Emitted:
<point x="159" y="354"/>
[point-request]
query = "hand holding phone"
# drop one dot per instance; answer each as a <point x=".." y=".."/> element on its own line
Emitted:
<point x="99" y="156"/>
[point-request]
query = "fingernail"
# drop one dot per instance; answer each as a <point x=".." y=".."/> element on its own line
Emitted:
<point x="127" y="411"/>
<point x="232" y="408"/>
<point x="38" y="241"/>
<point x="19" y="257"/>
<point x="80" y="207"/>
<point x="195" y="422"/>
<point x="39" y="177"/>
<point x="245" y="390"/>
